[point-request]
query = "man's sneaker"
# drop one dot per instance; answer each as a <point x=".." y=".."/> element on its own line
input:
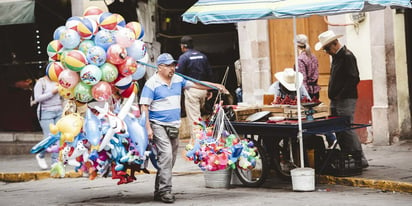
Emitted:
<point x="165" y="197"/>
<point x="41" y="162"/>
<point x="157" y="197"/>
<point x="364" y="162"/>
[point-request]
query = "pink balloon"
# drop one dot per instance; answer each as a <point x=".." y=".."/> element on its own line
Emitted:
<point x="124" y="36"/>
<point x="116" y="54"/>
<point x="101" y="91"/>
<point x="68" y="78"/>
<point x="128" y="67"/>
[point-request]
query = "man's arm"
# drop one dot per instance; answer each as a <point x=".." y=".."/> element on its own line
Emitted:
<point x="145" y="110"/>
<point x="221" y="87"/>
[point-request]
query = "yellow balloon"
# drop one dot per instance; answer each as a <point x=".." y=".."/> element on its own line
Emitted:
<point x="66" y="93"/>
<point x="69" y="126"/>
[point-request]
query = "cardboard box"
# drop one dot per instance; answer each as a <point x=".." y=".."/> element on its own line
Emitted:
<point x="242" y="113"/>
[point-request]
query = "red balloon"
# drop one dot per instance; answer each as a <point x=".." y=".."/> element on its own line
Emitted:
<point x="116" y="54"/>
<point x="101" y="91"/>
<point x="128" y="67"/>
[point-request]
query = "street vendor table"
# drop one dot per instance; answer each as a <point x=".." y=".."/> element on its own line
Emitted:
<point x="282" y="134"/>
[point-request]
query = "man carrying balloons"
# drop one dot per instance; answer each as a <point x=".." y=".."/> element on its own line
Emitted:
<point x="160" y="101"/>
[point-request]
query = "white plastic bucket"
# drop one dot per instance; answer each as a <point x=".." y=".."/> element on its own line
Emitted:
<point x="303" y="179"/>
<point x="218" y="178"/>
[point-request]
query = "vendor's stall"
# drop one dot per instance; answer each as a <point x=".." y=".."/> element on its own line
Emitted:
<point x="278" y="141"/>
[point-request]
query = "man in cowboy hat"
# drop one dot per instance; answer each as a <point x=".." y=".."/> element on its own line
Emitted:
<point x="286" y="85"/>
<point x="342" y="90"/>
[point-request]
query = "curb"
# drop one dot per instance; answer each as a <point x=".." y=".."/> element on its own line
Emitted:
<point x="31" y="176"/>
<point x="384" y="185"/>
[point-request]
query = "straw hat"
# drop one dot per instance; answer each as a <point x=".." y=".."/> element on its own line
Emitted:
<point x="326" y="38"/>
<point x="287" y="78"/>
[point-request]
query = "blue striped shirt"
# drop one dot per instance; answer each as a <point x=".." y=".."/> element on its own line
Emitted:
<point x="164" y="100"/>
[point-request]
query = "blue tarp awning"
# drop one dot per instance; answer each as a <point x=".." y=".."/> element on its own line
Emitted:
<point x="231" y="11"/>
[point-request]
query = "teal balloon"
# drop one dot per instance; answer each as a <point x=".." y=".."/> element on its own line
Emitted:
<point x="109" y="72"/>
<point x="91" y="74"/>
<point x="83" y="92"/>
<point x="85" y="45"/>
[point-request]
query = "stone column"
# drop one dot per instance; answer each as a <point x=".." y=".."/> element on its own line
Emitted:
<point x="254" y="57"/>
<point x="380" y="85"/>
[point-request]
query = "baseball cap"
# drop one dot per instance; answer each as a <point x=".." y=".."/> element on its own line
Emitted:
<point x="187" y="41"/>
<point x="165" y="58"/>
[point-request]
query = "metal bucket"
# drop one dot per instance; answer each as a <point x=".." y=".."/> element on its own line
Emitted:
<point x="218" y="178"/>
<point x="303" y="179"/>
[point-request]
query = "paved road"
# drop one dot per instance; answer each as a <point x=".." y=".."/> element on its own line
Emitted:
<point x="190" y="190"/>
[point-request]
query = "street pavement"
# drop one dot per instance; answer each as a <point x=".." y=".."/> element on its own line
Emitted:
<point x="390" y="169"/>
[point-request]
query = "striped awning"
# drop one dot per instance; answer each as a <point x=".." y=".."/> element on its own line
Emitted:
<point x="231" y="11"/>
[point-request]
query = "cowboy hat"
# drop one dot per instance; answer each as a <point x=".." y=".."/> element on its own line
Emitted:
<point x="326" y="38"/>
<point x="287" y="78"/>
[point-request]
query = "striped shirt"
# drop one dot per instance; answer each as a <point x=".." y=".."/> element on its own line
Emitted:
<point x="164" y="100"/>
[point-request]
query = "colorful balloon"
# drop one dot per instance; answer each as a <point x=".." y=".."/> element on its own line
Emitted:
<point x="109" y="72"/>
<point x="133" y="88"/>
<point x="68" y="78"/>
<point x="102" y="91"/>
<point x="92" y="128"/>
<point x="54" y="49"/>
<point x="83" y="92"/>
<point x="123" y="82"/>
<point x="128" y="67"/>
<point x="92" y="12"/>
<point x="87" y="28"/>
<point x="69" y="38"/>
<point x="124" y="37"/>
<point x="65" y="93"/>
<point x="116" y="54"/>
<point x="53" y="70"/>
<point x="69" y="126"/>
<point x="139" y="73"/>
<point x="137" y="50"/>
<point x="104" y="38"/>
<point x="137" y="29"/>
<point x="85" y="45"/>
<point x="108" y="21"/>
<point x="72" y="22"/>
<point x="74" y="60"/>
<point x="120" y="21"/>
<point x="57" y="32"/>
<point x="90" y="74"/>
<point x="96" y="55"/>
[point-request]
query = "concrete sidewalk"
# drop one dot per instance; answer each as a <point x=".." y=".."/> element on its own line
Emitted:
<point x="390" y="168"/>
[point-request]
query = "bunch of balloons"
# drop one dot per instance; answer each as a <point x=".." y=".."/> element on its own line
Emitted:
<point x="93" y="58"/>
<point x="81" y="143"/>
<point x="95" y="55"/>
<point x="213" y="153"/>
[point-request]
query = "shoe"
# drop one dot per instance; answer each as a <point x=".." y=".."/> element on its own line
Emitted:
<point x="41" y="162"/>
<point x="157" y="197"/>
<point x="165" y="197"/>
<point x="364" y="163"/>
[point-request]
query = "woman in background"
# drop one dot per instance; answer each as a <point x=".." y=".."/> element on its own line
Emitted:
<point x="308" y="66"/>
<point x="49" y="110"/>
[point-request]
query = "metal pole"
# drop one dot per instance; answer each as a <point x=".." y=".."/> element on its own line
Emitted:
<point x="297" y="84"/>
<point x="182" y="75"/>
